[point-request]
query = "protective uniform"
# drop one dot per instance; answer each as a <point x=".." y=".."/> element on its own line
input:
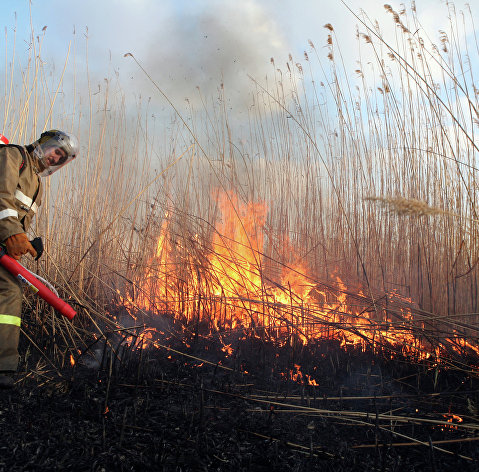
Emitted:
<point x="20" y="197"/>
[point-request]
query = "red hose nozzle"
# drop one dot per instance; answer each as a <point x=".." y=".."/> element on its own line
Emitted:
<point x="18" y="271"/>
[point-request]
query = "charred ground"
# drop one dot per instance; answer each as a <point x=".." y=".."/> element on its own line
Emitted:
<point x="141" y="407"/>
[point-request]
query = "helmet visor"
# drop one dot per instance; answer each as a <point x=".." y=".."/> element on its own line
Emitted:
<point x="55" y="149"/>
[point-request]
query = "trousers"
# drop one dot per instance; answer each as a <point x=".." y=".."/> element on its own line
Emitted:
<point x="10" y="320"/>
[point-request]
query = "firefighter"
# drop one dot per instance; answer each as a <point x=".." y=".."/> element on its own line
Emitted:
<point x="21" y="169"/>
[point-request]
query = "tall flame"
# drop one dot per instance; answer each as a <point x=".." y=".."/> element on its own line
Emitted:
<point x="227" y="286"/>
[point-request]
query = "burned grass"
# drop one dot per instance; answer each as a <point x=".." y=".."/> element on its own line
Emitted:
<point x="257" y="407"/>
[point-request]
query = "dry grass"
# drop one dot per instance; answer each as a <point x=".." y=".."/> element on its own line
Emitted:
<point x="314" y="157"/>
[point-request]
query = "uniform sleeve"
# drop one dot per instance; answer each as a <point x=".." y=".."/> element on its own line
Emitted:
<point x="10" y="162"/>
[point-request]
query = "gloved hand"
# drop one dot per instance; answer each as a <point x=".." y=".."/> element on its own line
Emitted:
<point x="18" y="245"/>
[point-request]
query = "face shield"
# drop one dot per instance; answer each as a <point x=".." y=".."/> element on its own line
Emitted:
<point x="55" y="149"/>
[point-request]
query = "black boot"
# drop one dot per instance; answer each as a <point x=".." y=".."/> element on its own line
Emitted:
<point x="6" y="380"/>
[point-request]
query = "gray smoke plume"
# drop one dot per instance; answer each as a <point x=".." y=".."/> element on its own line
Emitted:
<point x="213" y="44"/>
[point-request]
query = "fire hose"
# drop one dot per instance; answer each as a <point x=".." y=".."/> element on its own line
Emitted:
<point x="32" y="281"/>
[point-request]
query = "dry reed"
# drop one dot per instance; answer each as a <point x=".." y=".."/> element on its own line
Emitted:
<point x="315" y="150"/>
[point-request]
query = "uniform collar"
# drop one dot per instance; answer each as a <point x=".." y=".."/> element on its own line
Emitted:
<point x="35" y="160"/>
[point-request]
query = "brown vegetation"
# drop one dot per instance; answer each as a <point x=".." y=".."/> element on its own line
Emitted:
<point x="137" y="235"/>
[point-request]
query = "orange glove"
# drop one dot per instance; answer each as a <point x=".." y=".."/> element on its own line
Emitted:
<point x="18" y="245"/>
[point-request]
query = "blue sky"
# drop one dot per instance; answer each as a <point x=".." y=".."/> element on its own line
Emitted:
<point x="196" y="43"/>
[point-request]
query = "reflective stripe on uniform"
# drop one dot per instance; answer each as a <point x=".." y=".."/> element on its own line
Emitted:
<point x="8" y="212"/>
<point x="27" y="201"/>
<point x="10" y="320"/>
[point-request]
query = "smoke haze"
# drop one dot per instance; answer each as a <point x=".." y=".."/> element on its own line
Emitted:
<point x="211" y="45"/>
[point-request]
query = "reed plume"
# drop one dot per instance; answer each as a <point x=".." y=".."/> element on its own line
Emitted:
<point x="408" y="206"/>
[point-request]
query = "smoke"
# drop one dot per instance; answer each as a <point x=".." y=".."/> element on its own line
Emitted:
<point x="215" y="44"/>
<point x="192" y="50"/>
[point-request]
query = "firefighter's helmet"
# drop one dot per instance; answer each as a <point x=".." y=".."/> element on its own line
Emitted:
<point x="55" y="149"/>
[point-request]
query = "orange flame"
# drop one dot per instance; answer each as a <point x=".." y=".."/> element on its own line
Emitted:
<point x="229" y="284"/>
<point x="452" y="417"/>
<point x="452" y="420"/>
<point x="297" y="376"/>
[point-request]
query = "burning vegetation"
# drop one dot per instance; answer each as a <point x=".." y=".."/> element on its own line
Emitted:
<point x="300" y="298"/>
<point x="228" y="288"/>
